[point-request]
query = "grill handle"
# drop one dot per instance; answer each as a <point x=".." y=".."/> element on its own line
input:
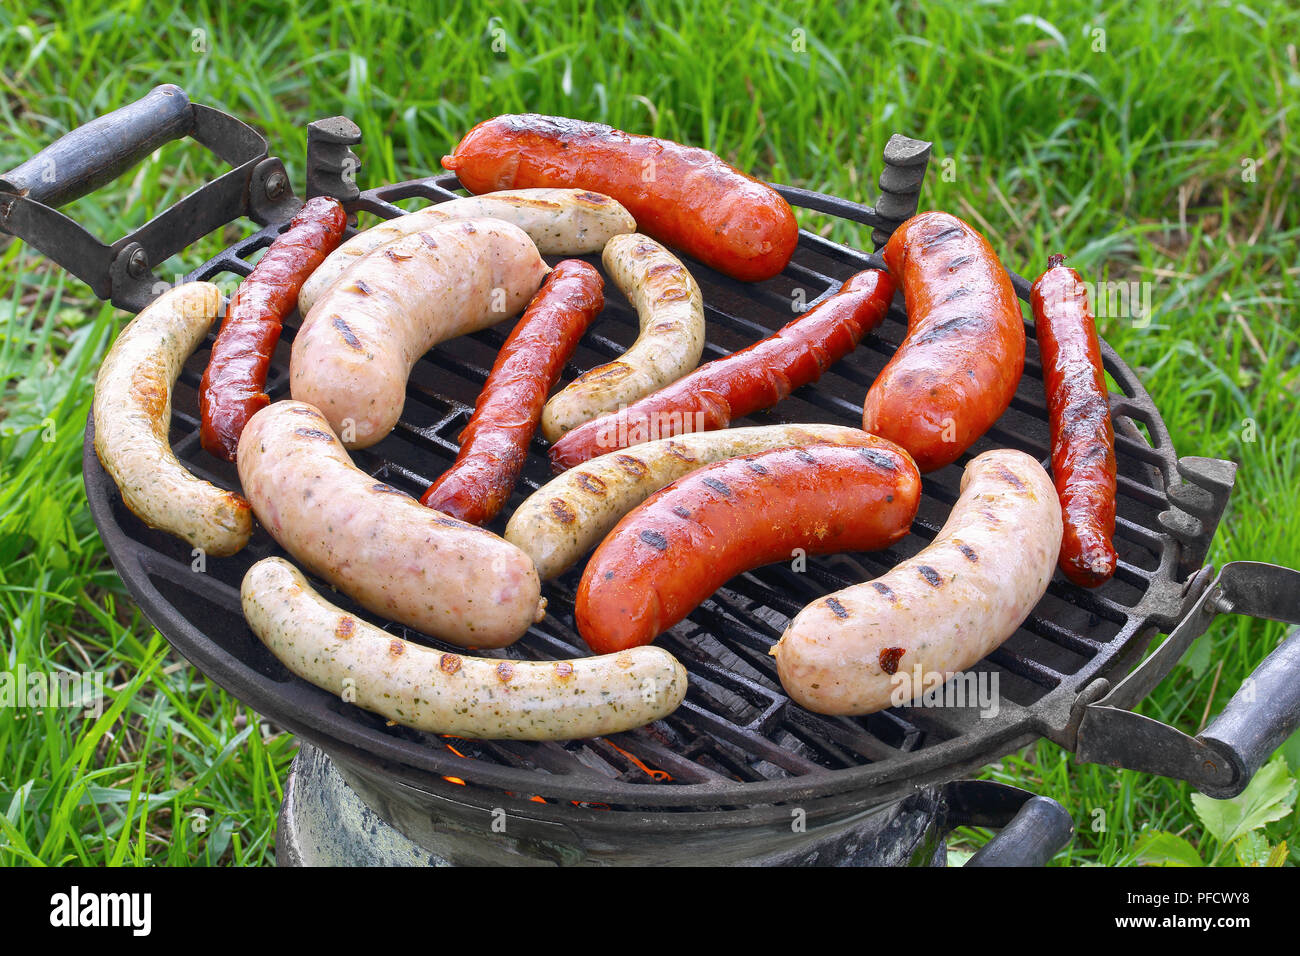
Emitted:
<point x="1221" y="760"/>
<point x="90" y="156"/>
<point x="1031" y="829"/>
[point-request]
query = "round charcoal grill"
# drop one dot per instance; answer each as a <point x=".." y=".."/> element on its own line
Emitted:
<point x="737" y="759"/>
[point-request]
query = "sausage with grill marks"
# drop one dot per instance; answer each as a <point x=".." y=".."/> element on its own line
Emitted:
<point x="743" y="382"/>
<point x="1083" y="439"/>
<point x="232" y="387"/>
<point x="561" y="222"/>
<point x="380" y="546"/>
<point x="494" y="445"/>
<point x="957" y="370"/>
<point x="671" y="313"/>
<point x="481" y="698"/>
<point x="357" y="346"/>
<point x="690" y="538"/>
<point x="133" y="410"/>
<point x="857" y="650"/>
<point x="686" y="197"/>
<point x="569" y="515"/>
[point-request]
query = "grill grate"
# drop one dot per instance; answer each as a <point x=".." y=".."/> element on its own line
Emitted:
<point x="737" y="740"/>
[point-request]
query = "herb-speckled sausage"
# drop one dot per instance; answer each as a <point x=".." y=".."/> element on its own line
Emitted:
<point x="133" y="410"/>
<point x="391" y="554"/>
<point x="441" y="693"/>
<point x="855" y="651"/>
<point x="671" y="312"/>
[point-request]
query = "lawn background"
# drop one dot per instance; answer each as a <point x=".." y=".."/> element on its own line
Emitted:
<point x="1148" y="140"/>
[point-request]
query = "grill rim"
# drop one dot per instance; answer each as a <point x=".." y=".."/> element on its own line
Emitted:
<point x="305" y="709"/>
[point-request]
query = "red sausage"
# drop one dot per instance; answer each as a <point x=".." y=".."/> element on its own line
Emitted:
<point x="231" y="390"/>
<point x="1083" y="440"/>
<point x="736" y="385"/>
<point x="682" y="196"/>
<point x="688" y="539"/>
<point x="494" y="445"/>
<point x="957" y="370"/>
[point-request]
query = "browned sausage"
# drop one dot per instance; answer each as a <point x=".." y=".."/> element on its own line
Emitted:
<point x="232" y="387"/>
<point x="690" y="538"/>
<point x="957" y="370"/>
<point x="1083" y="440"/>
<point x="685" y="197"/>
<point x="494" y="445"/>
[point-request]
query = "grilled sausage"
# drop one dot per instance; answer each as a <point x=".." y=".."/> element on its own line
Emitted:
<point x="957" y="370"/>
<point x="1083" y="439"/>
<point x="685" y="197"/>
<point x="569" y="515"/>
<point x="690" y="538"/>
<point x="233" y="382"/>
<point x="743" y="382"/>
<point x="856" y="651"/>
<point x="380" y="546"/>
<point x="671" y="313"/>
<point x="494" y="445"/>
<point x="475" y="697"/>
<point x="561" y="222"/>
<point x="133" y="411"/>
<point x="357" y="346"/>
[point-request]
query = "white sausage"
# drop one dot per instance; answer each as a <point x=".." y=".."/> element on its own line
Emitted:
<point x="671" y="313"/>
<point x="569" y="515"/>
<point x="133" y="411"/>
<point x="357" y="346"/>
<point x="472" y="697"/>
<point x="391" y="554"/>
<point x="942" y="610"/>
<point x="562" y="222"/>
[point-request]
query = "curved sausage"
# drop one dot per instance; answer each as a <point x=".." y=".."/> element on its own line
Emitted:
<point x="671" y="313"/>
<point x="569" y="515"/>
<point x="494" y="445"/>
<point x="357" y="346"/>
<point x="133" y="411"/>
<point x="744" y="382"/>
<point x="380" y="546"/>
<point x="480" y="698"/>
<point x="231" y="390"/>
<point x="857" y="650"/>
<point x="688" y="198"/>
<point x="561" y="222"/>
<point x="957" y="370"/>
<point x="1083" y="439"/>
<point x="690" y="538"/>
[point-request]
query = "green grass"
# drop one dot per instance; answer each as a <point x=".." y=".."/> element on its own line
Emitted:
<point x="1130" y="159"/>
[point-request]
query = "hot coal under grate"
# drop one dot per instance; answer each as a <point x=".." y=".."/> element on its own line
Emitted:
<point x="737" y="740"/>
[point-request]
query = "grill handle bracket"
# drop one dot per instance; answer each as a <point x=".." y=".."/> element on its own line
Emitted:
<point x="95" y="154"/>
<point x="1221" y="760"/>
<point x="1031" y="829"/>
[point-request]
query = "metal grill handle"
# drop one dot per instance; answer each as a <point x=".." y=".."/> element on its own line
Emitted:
<point x="1221" y="760"/>
<point x="95" y="154"/>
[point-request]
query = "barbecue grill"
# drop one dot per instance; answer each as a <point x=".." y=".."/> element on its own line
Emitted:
<point x="738" y="774"/>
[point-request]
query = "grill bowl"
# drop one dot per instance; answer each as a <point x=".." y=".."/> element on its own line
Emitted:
<point x="737" y="742"/>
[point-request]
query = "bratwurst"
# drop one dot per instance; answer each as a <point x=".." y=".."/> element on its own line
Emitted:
<point x="378" y="545"/>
